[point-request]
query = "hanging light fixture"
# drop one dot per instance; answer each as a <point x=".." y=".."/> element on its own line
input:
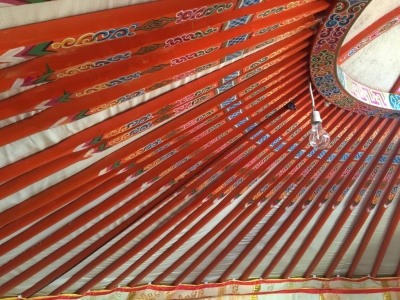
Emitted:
<point x="319" y="137"/>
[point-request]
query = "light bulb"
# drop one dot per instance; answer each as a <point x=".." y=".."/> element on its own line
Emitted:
<point x="319" y="138"/>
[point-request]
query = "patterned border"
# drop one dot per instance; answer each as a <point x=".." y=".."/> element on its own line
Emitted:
<point x="370" y="96"/>
<point x="245" y="289"/>
<point x="324" y="70"/>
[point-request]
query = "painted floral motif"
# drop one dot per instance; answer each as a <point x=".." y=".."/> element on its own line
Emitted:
<point x="83" y="40"/>
<point x="198" y="13"/>
<point x="329" y="36"/>
<point x="193" y="55"/>
<point x="189" y="37"/>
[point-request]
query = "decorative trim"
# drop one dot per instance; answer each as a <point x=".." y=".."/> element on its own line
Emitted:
<point x="370" y="96"/>
<point x="326" y="75"/>
<point x="246" y="290"/>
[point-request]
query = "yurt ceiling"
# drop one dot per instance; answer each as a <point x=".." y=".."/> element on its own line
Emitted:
<point x="167" y="142"/>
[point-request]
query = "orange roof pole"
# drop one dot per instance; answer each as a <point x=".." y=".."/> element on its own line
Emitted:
<point x="92" y="195"/>
<point x="51" y="207"/>
<point x="298" y="209"/>
<point x="386" y="240"/>
<point x="142" y="195"/>
<point x="85" y="175"/>
<point x="348" y="211"/>
<point x="177" y="244"/>
<point x="240" y="211"/>
<point x="361" y="220"/>
<point x="110" y="18"/>
<point x="224" y="203"/>
<point x="122" y="242"/>
<point x="224" y="235"/>
<point x="211" y="247"/>
<point x="49" y="117"/>
<point x="239" y="220"/>
<point x="387" y="199"/>
<point x="144" y="243"/>
<point x="310" y="237"/>
<point x="100" y="132"/>
<point x="94" y="192"/>
<point x="314" y="208"/>
<point x="121" y="195"/>
<point x="82" y="255"/>
<point x="12" y="186"/>
<point x="64" y="58"/>
<point x="16" y="225"/>
<point x="248" y="227"/>
<point x="275" y="217"/>
<point x="156" y="186"/>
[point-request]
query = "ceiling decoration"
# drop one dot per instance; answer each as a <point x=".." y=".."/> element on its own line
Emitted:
<point x="330" y="79"/>
<point x="173" y="149"/>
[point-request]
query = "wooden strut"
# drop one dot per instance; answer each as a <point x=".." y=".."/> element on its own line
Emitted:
<point x="67" y="146"/>
<point x="193" y="206"/>
<point x="237" y="238"/>
<point x="51" y="116"/>
<point x="34" y="34"/>
<point x="319" y="183"/>
<point x="88" y="174"/>
<point x="281" y="210"/>
<point x="42" y="225"/>
<point x="238" y="210"/>
<point x="71" y="58"/>
<point x="386" y="239"/>
<point x="81" y="81"/>
<point x="61" y="289"/>
<point x="175" y="199"/>
<point x="359" y="223"/>
<point x="328" y="211"/>
<point x="347" y="212"/>
<point x="26" y="179"/>
<point x="34" y="231"/>
<point x="180" y="242"/>
<point x="58" y="236"/>
<point x="299" y="209"/>
<point x="374" y="223"/>
<point x="153" y="206"/>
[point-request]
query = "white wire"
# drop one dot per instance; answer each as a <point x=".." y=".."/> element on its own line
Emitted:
<point x="312" y="96"/>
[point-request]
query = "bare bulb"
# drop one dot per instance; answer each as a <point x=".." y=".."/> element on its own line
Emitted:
<point x="319" y="138"/>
